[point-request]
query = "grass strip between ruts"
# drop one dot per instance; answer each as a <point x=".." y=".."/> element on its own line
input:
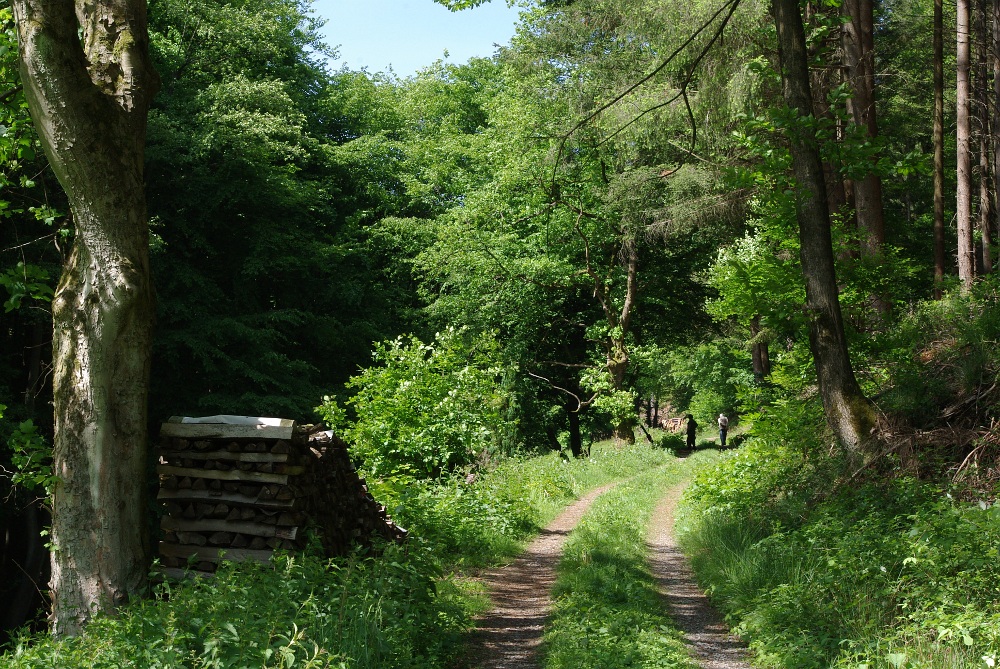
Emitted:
<point x="607" y="611"/>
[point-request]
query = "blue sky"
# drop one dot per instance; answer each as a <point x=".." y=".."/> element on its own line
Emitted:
<point x="410" y="34"/>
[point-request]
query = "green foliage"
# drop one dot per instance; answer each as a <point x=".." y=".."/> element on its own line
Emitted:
<point x="25" y="282"/>
<point x="31" y="458"/>
<point x="425" y="409"/>
<point x="300" y="612"/>
<point x="941" y="352"/>
<point x="671" y="441"/>
<point x="879" y="574"/>
<point x="706" y="379"/>
<point x="467" y="524"/>
<point x="607" y="610"/>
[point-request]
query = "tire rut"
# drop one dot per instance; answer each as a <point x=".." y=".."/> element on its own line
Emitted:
<point x="509" y="636"/>
<point x="708" y="637"/>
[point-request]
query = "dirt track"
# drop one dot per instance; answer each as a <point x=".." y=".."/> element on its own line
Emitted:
<point x="509" y="636"/>
<point x="707" y="635"/>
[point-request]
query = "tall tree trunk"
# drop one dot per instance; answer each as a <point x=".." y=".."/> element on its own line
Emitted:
<point x="619" y="322"/>
<point x="995" y="121"/>
<point x="859" y="59"/>
<point x="89" y="83"/>
<point x="758" y="352"/>
<point x="939" y="252"/>
<point x="963" y="198"/>
<point x="848" y="412"/>
<point x="575" y="435"/>
<point x="618" y="357"/>
<point x="983" y="114"/>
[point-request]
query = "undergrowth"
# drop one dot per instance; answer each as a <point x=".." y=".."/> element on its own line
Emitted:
<point x="816" y="572"/>
<point x="405" y="608"/>
<point x="607" y="611"/>
<point x="295" y="612"/>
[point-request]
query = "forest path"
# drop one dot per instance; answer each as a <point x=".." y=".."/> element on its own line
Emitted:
<point x="508" y="637"/>
<point x="707" y="636"/>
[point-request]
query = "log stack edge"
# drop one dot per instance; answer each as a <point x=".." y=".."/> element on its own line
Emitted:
<point x="240" y="492"/>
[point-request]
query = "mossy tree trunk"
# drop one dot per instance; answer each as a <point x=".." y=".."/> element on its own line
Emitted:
<point x="848" y="412"/>
<point x="88" y="80"/>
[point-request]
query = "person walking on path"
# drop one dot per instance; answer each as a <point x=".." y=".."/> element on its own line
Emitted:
<point x="692" y="430"/>
<point x="723" y="429"/>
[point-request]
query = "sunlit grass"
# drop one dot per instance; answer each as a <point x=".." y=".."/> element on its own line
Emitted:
<point x="607" y="611"/>
<point x="891" y="574"/>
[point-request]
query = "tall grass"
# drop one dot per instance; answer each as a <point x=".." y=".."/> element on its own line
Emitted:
<point x="607" y="610"/>
<point x="295" y="612"/>
<point x="889" y="574"/>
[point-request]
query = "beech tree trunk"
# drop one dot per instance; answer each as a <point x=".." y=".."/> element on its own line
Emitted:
<point x="848" y="412"/>
<point x="89" y="82"/>
<point x="939" y="253"/>
<point x="963" y="196"/>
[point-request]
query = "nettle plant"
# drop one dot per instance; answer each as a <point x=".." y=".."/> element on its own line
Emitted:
<point x="424" y="409"/>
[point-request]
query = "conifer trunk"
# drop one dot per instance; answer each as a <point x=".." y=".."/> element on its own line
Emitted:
<point x="963" y="190"/>
<point x="995" y="121"/>
<point x="983" y="113"/>
<point x="859" y="59"/>
<point x="939" y="252"/>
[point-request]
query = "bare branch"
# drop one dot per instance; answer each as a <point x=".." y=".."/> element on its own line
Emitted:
<point x="580" y="404"/>
<point x="731" y="5"/>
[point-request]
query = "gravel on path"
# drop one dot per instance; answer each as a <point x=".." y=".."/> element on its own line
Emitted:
<point x="712" y="646"/>
<point x="509" y="636"/>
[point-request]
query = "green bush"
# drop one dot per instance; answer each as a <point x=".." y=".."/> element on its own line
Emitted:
<point x="671" y="441"/>
<point x="941" y="351"/>
<point x="424" y="409"/>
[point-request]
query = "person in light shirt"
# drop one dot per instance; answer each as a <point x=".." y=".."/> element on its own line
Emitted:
<point x="723" y="428"/>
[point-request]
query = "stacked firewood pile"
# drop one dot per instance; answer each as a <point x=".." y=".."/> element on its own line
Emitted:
<point x="239" y="490"/>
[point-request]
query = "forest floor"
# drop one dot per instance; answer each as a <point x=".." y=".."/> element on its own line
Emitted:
<point x="510" y="635"/>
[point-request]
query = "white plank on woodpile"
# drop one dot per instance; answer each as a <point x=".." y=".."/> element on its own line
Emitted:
<point x="225" y="431"/>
